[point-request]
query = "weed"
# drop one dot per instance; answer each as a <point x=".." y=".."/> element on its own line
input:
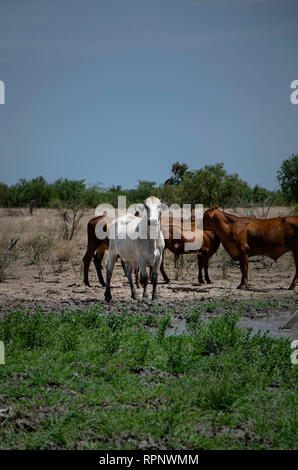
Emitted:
<point x="163" y="325"/>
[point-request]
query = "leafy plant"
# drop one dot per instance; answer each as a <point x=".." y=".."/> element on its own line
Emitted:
<point x="287" y="177"/>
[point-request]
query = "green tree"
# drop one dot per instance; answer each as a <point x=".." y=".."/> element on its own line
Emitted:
<point x="169" y="194"/>
<point x="178" y="171"/>
<point x="70" y="193"/>
<point x="202" y="186"/>
<point x="26" y="191"/>
<point x="287" y="177"/>
<point x="260" y="194"/>
<point x="145" y="189"/>
<point x="112" y="194"/>
<point x="5" y="195"/>
<point x="233" y="189"/>
<point x="94" y="195"/>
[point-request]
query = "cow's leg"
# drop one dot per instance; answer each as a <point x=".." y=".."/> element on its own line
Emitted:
<point x="154" y="284"/>
<point x="176" y="261"/>
<point x="144" y="278"/>
<point x="164" y="275"/>
<point x="295" y="280"/>
<point x="155" y="270"/>
<point x="243" y="260"/>
<point x="200" y="269"/>
<point x="130" y="279"/>
<point x="97" y="260"/>
<point x="86" y="261"/>
<point x="137" y="278"/>
<point x="144" y="281"/>
<point x="124" y="267"/>
<point x="206" y="267"/>
<point x="110" y="267"/>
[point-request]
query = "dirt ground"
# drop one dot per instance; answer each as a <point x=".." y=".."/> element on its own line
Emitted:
<point x="54" y="282"/>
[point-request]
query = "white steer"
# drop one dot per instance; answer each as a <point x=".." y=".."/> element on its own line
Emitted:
<point x="140" y="243"/>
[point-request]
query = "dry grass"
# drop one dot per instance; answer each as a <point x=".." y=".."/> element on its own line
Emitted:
<point x="37" y="240"/>
<point x="264" y="212"/>
<point x="65" y="250"/>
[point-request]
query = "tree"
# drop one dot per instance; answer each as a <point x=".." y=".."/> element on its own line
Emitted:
<point x="212" y="185"/>
<point x="287" y="177"/>
<point x="145" y="189"/>
<point x="260" y="194"/>
<point x="71" y="203"/>
<point x="178" y="171"/>
<point x="169" y="194"/>
<point x="202" y="186"/>
<point x="25" y="191"/>
<point x="233" y="189"/>
<point x="4" y="195"/>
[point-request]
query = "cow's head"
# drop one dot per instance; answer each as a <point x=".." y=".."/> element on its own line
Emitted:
<point x="152" y="206"/>
<point x="208" y="216"/>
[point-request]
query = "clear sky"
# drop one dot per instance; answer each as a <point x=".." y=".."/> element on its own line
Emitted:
<point x="114" y="91"/>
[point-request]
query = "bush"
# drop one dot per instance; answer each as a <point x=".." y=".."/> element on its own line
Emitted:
<point x="287" y="177"/>
<point x="26" y="329"/>
<point x="37" y="248"/>
<point x="218" y="335"/>
<point x="8" y="254"/>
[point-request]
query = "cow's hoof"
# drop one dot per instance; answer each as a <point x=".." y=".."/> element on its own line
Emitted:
<point x="209" y="282"/>
<point x="292" y="287"/>
<point x="240" y="287"/>
<point x="87" y="284"/>
<point x="108" y="297"/>
<point x="134" y="296"/>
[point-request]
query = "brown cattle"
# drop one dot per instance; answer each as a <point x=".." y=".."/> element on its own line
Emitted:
<point x="176" y="244"/>
<point x="243" y="237"/>
<point x="96" y="248"/>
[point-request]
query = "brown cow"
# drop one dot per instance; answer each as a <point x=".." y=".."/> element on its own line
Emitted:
<point x="243" y="237"/>
<point x="96" y="248"/>
<point x="176" y="244"/>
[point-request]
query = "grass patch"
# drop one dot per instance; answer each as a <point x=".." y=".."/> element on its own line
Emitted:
<point x="83" y="380"/>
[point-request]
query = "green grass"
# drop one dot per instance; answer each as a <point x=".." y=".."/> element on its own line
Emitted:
<point x="83" y="380"/>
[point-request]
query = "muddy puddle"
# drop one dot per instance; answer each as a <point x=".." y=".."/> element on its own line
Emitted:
<point x="274" y="328"/>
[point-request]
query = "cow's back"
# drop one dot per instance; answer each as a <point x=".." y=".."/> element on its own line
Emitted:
<point x="271" y="237"/>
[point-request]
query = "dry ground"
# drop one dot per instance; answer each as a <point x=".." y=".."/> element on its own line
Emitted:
<point x="51" y="276"/>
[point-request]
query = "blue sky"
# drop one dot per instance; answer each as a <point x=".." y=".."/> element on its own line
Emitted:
<point x="116" y="91"/>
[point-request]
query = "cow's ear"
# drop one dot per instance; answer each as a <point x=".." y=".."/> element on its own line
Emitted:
<point x="139" y="208"/>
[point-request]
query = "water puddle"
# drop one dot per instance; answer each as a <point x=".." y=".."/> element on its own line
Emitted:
<point x="274" y="328"/>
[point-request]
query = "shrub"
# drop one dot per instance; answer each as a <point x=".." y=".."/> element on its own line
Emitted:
<point x="37" y="248"/>
<point x="287" y="177"/>
<point x="163" y="325"/>
<point x="218" y="335"/>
